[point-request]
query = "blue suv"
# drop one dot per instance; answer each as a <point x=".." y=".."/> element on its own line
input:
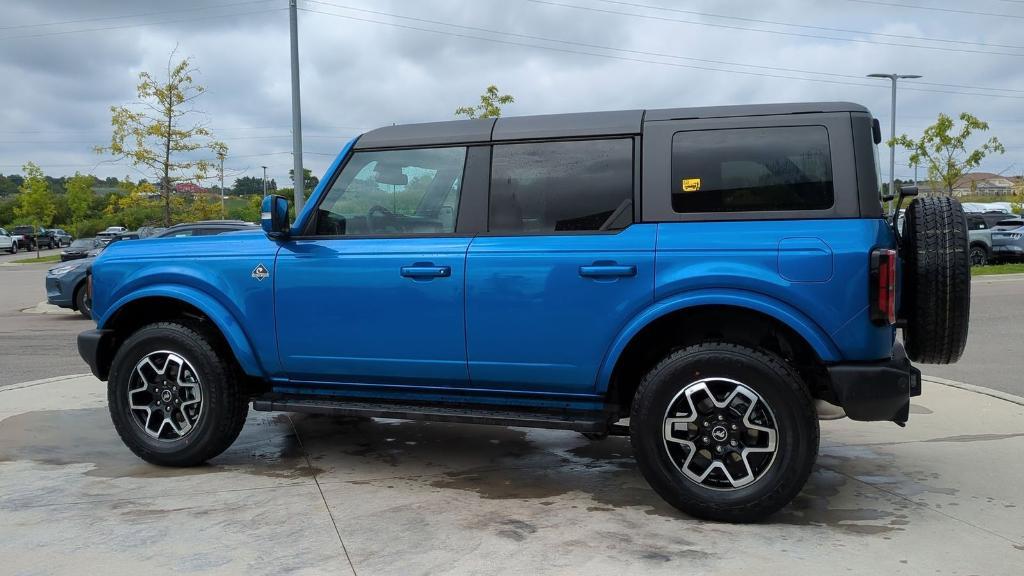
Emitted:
<point x="707" y="281"/>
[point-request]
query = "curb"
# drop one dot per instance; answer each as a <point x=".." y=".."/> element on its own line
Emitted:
<point x="997" y="277"/>
<point x="1012" y="398"/>
<point x="32" y="383"/>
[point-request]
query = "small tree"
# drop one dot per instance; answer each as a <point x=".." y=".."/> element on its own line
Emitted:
<point x="35" y="201"/>
<point x="155" y="132"/>
<point x="309" y="181"/>
<point x="942" y="149"/>
<point x="490" y="104"/>
<point x="79" y="198"/>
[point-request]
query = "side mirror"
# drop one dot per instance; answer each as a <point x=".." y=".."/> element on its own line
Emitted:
<point x="274" y="216"/>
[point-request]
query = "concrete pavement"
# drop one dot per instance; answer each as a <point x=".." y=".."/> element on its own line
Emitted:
<point x="314" y="495"/>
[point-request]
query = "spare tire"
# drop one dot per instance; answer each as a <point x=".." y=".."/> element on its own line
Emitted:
<point x="936" y="299"/>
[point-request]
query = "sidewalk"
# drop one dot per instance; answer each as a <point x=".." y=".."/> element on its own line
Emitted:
<point x="314" y="495"/>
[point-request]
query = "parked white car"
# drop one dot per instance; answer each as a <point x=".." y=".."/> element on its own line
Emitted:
<point x="10" y="242"/>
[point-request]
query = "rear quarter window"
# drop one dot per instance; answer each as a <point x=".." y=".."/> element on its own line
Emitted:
<point x="752" y="169"/>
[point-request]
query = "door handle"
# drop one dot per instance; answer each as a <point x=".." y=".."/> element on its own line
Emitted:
<point x="607" y="270"/>
<point x="426" y="271"/>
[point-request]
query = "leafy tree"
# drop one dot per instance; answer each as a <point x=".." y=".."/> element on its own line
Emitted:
<point x="943" y="148"/>
<point x="490" y="104"/>
<point x="158" y="134"/>
<point x="247" y="185"/>
<point x="137" y="204"/>
<point x="35" y="203"/>
<point x="9" y="185"/>
<point x="309" y="181"/>
<point x="79" y="198"/>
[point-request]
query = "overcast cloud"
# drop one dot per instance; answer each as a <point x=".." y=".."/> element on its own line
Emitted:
<point x="61" y="79"/>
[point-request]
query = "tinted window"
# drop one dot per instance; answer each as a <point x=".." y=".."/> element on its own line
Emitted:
<point x="561" y="186"/>
<point x="394" y="192"/>
<point x="752" y="169"/>
<point x="976" y="223"/>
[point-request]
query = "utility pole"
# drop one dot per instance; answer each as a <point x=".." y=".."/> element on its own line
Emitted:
<point x="264" y="181"/>
<point x="892" y="130"/>
<point x="220" y="156"/>
<point x="300" y="175"/>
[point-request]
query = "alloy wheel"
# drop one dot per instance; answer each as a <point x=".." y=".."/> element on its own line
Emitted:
<point x="165" y="396"/>
<point x="720" y="434"/>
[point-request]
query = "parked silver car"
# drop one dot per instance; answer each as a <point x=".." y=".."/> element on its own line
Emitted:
<point x="1008" y="239"/>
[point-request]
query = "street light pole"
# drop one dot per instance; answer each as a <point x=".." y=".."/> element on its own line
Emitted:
<point x="299" y="177"/>
<point x="892" y="129"/>
<point x="220" y="156"/>
<point x="264" y="181"/>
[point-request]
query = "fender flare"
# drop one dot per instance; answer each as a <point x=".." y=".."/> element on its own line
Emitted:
<point x="815" y="336"/>
<point x="214" y="310"/>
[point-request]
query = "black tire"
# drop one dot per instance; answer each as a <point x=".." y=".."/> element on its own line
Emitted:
<point x="790" y="407"/>
<point x="979" y="255"/>
<point x="14" y="248"/>
<point x="936" y="299"/>
<point x="220" y="416"/>
<point x="82" y="301"/>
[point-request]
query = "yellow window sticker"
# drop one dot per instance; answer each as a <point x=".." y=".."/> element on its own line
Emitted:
<point x="691" y="184"/>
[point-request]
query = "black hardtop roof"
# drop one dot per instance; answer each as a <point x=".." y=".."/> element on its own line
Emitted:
<point x="580" y="124"/>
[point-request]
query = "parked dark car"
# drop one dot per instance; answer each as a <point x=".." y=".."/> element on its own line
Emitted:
<point x="59" y="237"/>
<point x="80" y="249"/>
<point x="32" y="236"/>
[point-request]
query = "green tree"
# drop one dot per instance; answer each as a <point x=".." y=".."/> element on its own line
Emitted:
<point x="79" y="198"/>
<point x="309" y="181"/>
<point x="35" y="201"/>
<point x="159" y="134"/>
<point x="247" y="185"/>
<point x="943" y="150"/>
<point x="490" y="104"/>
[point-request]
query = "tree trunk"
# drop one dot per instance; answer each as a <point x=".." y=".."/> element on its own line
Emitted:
<point x="167" y="170"/>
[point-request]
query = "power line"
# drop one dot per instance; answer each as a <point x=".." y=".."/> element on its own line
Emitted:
<point x="624" y="58"/>
<point x="808" y="26"/>
<point x="124" y="26"/>
<point x="857" y="77"/>
<point x="140" y="15"/>
<point x="936" y="9"/>
<point x="777" y="32"/>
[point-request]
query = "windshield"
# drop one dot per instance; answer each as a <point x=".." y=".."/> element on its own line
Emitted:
<point x="83" y="243"/>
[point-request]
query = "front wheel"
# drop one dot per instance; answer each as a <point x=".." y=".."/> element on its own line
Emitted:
<point x="83" y="303"/>
<point x="979" y="256"/>
<point x="14" y="248"/>
<point x="174" y="399"/>
<point x="724" y="432"/>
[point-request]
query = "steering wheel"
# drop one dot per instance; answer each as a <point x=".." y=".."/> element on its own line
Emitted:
<point x="378" y="211"/>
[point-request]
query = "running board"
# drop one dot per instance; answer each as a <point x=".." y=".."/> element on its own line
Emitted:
<point x="583" y="422"/>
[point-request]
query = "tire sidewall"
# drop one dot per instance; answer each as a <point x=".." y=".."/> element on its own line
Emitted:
<point x="795" y="422"/>
<point x="84" y="307"/>
<point x="210" y="373"/>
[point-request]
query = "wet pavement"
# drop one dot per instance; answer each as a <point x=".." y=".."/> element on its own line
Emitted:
<point x="310" y="495"/>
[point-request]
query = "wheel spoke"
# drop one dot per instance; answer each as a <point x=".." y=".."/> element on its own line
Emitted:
<point x="165" y="382"/>
<point x="719" y="433"/>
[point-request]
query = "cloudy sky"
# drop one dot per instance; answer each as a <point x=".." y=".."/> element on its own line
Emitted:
<point x="367" y="63"/>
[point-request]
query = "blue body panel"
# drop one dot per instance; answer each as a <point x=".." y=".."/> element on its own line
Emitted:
<point x="533" y="322"/>
<point x="347" y="315"/>
<point x="212" y="273"/>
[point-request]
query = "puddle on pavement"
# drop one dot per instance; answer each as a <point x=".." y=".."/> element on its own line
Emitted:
<point x="491" y="462"/>
<point x="86" y="436"/>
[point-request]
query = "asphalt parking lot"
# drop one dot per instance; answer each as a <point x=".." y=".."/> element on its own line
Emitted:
<point x="311" y="495"/>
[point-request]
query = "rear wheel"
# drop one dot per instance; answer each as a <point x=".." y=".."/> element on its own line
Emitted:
<point x="936" y="300"/>
<point x="724" y="432"/>
<point x="173" y="398"/>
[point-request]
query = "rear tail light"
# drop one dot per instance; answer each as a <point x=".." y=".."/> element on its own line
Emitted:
<point x="882" y="289"/>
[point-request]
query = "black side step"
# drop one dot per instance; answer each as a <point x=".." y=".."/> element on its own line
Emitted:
<point x="582" y="422"/>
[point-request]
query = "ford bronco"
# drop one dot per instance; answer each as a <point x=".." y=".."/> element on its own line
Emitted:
<point x="708" y="281"/>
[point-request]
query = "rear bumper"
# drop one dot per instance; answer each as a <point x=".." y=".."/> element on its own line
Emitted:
<point x="94" y="347"/>
<point x="876" y="391"/>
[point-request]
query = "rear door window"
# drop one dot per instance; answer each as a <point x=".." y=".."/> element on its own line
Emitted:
<point x="784" y="168"/>
<point x="553" y="187"/>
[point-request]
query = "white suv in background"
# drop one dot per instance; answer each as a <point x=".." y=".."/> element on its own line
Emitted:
<point x="10" y="242"/>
